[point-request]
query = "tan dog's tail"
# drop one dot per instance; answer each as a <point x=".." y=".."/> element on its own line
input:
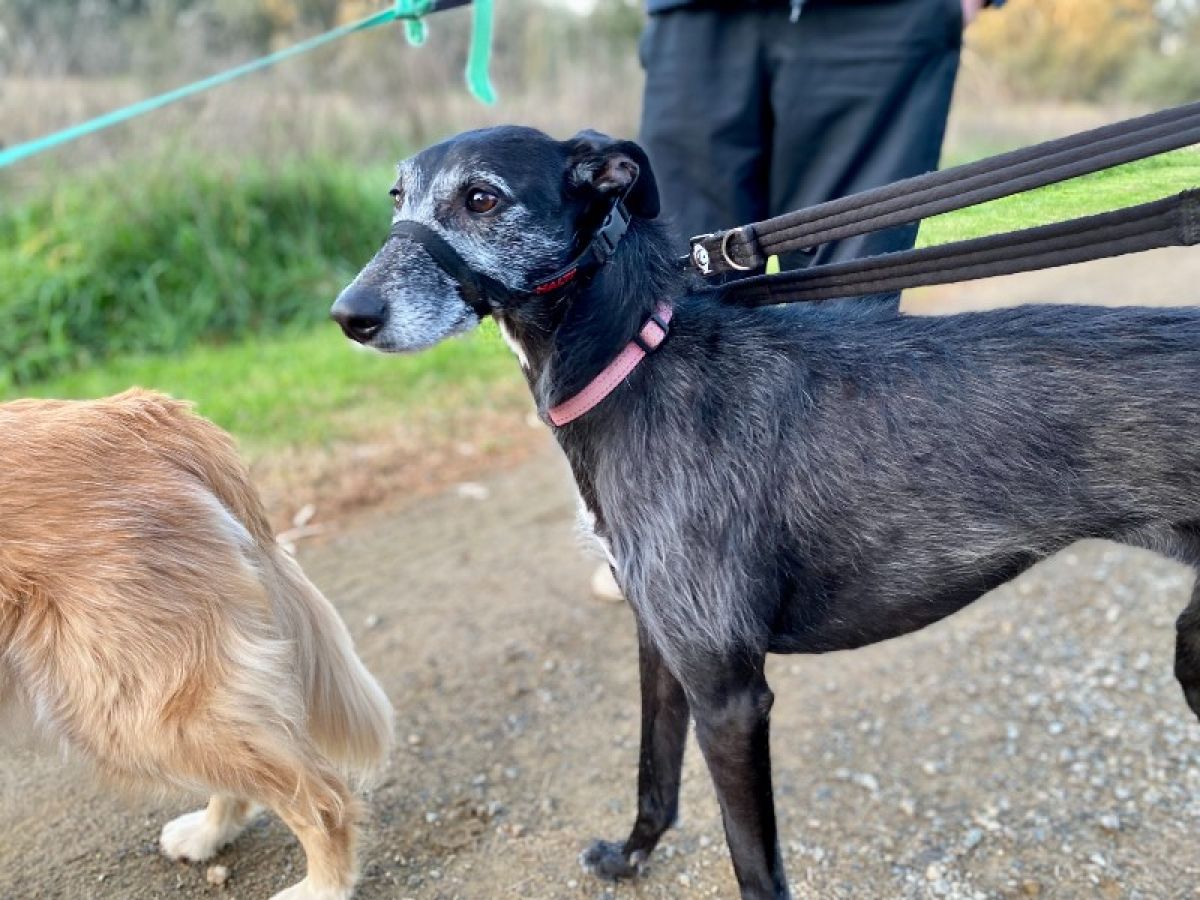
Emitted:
<point x="349" y="716"/>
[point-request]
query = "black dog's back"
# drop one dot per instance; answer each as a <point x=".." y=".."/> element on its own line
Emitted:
<point x="876" y="472"/>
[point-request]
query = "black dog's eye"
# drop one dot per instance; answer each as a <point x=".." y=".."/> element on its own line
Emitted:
<point x="480" y="201"/>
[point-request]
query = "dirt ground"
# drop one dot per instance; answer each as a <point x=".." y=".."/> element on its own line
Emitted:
<point x="1035" y="745"/>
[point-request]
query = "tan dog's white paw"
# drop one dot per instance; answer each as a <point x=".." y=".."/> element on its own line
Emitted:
<point x="305" y="890"/>
<point x="194" y="837"/>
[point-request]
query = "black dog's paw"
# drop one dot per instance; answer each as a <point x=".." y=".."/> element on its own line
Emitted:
<point x="606" y="859"/>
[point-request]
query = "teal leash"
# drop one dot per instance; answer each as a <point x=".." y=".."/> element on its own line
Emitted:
<point x="412" y="11"/>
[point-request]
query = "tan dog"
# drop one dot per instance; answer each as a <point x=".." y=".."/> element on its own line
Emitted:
<point x="150" y="624"/>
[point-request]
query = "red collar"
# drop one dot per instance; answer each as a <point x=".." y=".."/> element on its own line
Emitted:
<point x="652" y="333"/>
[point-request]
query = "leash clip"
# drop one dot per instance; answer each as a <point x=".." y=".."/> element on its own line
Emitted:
<point x="712" y="254"/>
<point x="699" y="256"/>
<point x="729" y="260"/>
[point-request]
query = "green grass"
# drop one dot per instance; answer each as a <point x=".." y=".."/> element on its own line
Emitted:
<point x="1138" y="182"/>
<point x="156" y="258"/>
<point x="309" y="387"/>
<point x="301" y="384"/>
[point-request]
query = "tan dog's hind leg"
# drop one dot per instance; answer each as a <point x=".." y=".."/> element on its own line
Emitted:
<point x="285" y="774"/>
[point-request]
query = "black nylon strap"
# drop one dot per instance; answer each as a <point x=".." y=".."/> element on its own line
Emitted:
<point x="484" y="293"/>
<point x="1171" y="222"/>
<point x="472" y="285"/>
<point x="599" y="250"/>
<point x="925" y="195"/>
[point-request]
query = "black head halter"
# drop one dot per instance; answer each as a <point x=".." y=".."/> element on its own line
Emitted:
<point x="485" y="294"/>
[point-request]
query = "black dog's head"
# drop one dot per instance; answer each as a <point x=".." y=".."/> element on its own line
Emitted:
<point x="512" y="202"/>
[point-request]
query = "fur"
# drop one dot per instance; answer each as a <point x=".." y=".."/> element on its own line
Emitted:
<point x="155" y="629"/>
<point x="808" y="478"/>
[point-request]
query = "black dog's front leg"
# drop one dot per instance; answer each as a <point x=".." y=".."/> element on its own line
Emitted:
<point x="660" y="765"/>
<point x="732" y="707"/>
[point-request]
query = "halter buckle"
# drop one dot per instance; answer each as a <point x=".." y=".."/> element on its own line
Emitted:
<point x="616" y="223"/>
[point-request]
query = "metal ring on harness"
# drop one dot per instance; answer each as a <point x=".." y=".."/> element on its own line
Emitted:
<point x="738" y="267"/>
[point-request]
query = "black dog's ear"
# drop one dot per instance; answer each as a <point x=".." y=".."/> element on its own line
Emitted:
<point x="598" y="163"/>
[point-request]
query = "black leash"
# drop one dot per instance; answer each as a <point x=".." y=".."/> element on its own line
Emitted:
<point x="1171" y="222"/>
<point x="747" y="248"/>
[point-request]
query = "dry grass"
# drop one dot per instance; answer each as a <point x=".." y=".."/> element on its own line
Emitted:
<point x="370" y="99"/>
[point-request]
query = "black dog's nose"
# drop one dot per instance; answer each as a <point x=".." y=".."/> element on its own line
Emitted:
<point x="360" y="312"/>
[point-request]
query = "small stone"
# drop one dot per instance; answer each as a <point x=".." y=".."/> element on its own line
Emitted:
<point x="684" y="879"/>
<point x="1110" y="822"/>
<point x="431" y="817"/>
<point x="473" y="490"/>
<point x="933" y="873"/>
<point x="572" y="883"/>
<point x="1031" y="888"/>
<point x="867" y="781"/>
<point x="972" y="838"/>
<point x="371" y="621"/>
<point x="413" y="740"/>
<point x="217" y="875"/>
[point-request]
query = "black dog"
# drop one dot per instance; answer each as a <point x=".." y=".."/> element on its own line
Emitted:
<point x="793" y="479"/>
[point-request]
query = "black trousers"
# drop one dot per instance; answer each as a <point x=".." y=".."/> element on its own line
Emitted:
<point x="748" y="115"/>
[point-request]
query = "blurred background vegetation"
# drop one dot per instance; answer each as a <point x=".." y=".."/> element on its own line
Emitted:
<point x="221" y="228"/>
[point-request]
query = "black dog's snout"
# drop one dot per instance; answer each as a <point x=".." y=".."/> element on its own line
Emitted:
<point x="360" y="312"/>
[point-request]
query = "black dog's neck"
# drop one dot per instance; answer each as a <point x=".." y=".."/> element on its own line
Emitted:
<point x="567" y="339"/>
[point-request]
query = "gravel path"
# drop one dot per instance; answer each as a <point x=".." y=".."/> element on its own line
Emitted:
<point x="1035" y="745"/>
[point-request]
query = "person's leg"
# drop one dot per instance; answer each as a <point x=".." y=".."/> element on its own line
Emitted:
<point x="860" y="94"/>
<point x="706" y="117"/>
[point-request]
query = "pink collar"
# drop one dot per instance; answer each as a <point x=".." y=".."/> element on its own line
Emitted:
<point x="653" y="333"/>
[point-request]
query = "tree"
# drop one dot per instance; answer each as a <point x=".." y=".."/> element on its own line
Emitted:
<point x="1069" y="49"/>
